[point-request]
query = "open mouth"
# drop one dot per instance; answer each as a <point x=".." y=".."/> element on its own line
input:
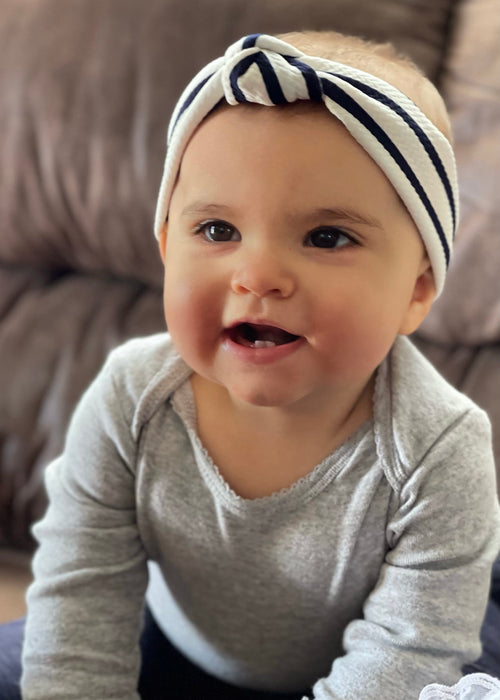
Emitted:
<point x="253" y="335"/>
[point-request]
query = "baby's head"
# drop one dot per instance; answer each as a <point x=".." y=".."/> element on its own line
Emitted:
<point x="313" y="163"/>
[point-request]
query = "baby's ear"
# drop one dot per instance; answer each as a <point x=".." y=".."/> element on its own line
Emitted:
<point x="424" y="293"/>
<point x="162" y="241"/>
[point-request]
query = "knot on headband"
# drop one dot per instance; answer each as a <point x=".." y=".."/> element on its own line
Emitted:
<point x="266" y="77"/>
<point x="414" y="155"/>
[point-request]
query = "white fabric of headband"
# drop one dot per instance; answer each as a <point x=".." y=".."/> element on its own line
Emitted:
<point x="414" y="155"/>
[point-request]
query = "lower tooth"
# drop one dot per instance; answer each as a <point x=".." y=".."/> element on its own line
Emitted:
<point x="264" y="344"/>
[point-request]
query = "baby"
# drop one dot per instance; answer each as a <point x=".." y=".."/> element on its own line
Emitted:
<point x="280" y="497"/>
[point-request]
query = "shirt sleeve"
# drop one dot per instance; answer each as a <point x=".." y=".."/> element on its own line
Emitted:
<point x="85" y="605"/>
<point x="421" y="622"/>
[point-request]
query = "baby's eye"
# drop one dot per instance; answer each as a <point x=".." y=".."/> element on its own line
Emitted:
<point x="218" y="231"/>
<point x="328" y="237"/>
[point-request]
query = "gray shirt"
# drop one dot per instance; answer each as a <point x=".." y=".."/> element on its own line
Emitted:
<point x="368" y="578"/>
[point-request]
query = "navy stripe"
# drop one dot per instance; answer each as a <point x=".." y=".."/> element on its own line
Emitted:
<point x="418" y="131"/>
<point x="310" y="76"/>
<point x="269" y="76"/>
<point x="250" y="41"/>
<point x="336" y="93"/>
<point x="190" y="99"/>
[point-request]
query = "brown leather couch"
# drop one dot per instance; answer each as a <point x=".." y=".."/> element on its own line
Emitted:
<point x="86" y="90"/>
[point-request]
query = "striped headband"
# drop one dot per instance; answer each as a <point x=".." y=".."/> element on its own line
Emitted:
<point x="414" y="155"/>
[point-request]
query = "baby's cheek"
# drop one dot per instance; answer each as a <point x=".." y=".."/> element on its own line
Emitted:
<point x="192" y="318"/>
<point x="181" y="307"/>
<point x="355" y="341"/>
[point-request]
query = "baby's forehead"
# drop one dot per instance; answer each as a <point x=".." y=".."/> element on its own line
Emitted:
<point x="302" y="144"/>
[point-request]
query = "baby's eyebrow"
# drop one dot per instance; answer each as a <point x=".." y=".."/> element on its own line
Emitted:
<point x="339" y="213"/>
<point x="204" y="208"/>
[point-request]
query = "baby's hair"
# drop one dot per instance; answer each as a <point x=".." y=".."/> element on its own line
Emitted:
<point x="379" y="59"/>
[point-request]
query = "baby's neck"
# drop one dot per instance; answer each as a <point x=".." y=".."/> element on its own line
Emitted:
<point x="281" y="444"/>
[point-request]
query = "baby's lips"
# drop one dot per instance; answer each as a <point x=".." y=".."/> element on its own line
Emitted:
<point x="262" y="323"/>
<point x="262" y="334"/>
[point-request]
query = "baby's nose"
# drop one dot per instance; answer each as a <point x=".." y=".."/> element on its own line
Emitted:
<point x="263" y="273"/>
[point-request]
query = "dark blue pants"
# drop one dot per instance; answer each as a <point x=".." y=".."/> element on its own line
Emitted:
<point x="165" y="674"/>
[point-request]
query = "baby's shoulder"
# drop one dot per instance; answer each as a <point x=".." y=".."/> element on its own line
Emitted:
<point x="419" y="414"/>
<point x="420" y="392"/>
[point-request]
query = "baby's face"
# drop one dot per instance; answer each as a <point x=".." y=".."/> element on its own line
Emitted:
<point x="290" y="263"/>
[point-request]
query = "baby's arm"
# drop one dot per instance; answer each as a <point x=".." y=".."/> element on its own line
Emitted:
<point x="422" y="619"/>
<point x="84" y="607"/>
